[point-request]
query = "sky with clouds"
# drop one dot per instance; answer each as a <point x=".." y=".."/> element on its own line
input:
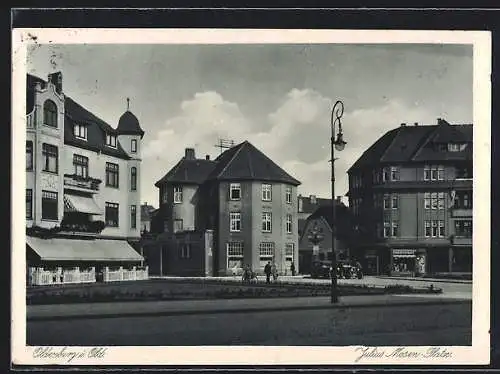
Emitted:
<point x="279" y="97"/>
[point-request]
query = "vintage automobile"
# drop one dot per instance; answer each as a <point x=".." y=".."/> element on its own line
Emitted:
<point x="345" y="269"/>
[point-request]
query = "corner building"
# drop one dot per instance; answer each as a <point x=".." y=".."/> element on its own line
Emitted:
<point x="411" y="197"/>
<point x="82" y="190"/>
<point x="246" y="203"/>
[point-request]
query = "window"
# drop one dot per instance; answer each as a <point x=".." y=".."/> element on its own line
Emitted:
<point x="81" y="165"/>
<point x="453" y="147"/>
<point x="133" y="178"/>
<point x="463" y="228"/>
<point x="111" y="214"/>
<point x="441" y="200"/>
<point x="289" y="223"/>
<point x="434" y="173"/>
<point x="178" y="225"/>
<point x="394" y="173"/>
<point x="29" y="204"/>
<point x="50" y="158"/>
<point x="387" y="229"/>
<point x="112" y="175"/>
<point x="133" y="145"/>
<point x="235" y="221"/>
<point x="427" y="229"/>
<point x="49" y="205"/>
<point x="288" y="195"/>
<point x="185" y="251"/>
<point x="387" y="202"/>
<point x="427" y="200"/>
<point x="434" y="224"/>
<point x="234" y="191"/>
<point x="111" y="140"/>
<point x="394" y="228"/>
<point x="29" y="155"/>
<point x="395" y="202"/>
<point x="289" y="251"/>
<point x="266" y="222"/>
<point x="434" y="201"/>
<point x="266" y="253"/>
<point x="234" y="255"/>
<point x="50" y="113"/>
<point x="133" y="216"/>
<point x="441" y="229"/>
<point x="266" y="192"/>
<point x="178" y="194"/>
<point x="385" y="174"/>
<point x="80" y="131"/>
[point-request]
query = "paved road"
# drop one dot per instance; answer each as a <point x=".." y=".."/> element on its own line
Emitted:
<point x="447" y="324"/>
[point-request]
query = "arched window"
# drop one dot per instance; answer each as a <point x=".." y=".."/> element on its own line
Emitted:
<point x="133" y="178"/>
<point x="50" y="113"/>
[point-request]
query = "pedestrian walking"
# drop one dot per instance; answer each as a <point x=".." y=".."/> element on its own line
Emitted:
<point x="274" y="272"/>
<point x="267" y="270"/>
<point x="292" y="269"/>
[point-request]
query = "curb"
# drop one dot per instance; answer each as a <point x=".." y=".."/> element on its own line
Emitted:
<point x="430" y="280"/>
<point x="243" y="310"/>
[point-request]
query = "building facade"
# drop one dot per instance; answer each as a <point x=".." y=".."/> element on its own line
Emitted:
<point x="411" y="197"/>
<point x="241" y="206"/>
<point x="82" y="189"/>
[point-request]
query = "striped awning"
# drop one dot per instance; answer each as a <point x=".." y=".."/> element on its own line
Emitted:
<point x="404" y="252"/>
<point x="81" y="204"/>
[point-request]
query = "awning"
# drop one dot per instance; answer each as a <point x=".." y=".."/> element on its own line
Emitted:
<point x="59" y="249"/>
<point x="82" y="204"/>
<point x="404" y="252"/>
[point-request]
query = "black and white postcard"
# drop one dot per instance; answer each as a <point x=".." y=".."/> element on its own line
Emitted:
<point x="250" y="197"/>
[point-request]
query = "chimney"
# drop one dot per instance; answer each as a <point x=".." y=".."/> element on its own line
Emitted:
<point x="207" y="157"/>
<point x="312" y="198"/>
<point x="189" y="154"/>
<point x="56" y="80"/>
<point x="403" y="124"/>
<point x="415" y="124"/>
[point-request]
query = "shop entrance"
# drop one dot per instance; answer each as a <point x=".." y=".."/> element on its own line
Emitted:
<point x="404" y="262"/>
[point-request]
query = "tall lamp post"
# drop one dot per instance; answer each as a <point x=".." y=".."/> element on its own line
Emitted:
<point x="336" y="143"/>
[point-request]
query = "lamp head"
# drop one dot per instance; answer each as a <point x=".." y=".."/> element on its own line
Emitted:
<point x="339" y="143"/>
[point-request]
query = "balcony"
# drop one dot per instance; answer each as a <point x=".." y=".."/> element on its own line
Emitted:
<point x="79" y="183"/>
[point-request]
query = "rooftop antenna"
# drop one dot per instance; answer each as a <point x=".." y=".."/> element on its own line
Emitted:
<point x="128" y="103"/>
<point x="224" y="144"/>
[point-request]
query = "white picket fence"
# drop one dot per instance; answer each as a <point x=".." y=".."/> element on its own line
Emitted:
<point x="122" y="274"/>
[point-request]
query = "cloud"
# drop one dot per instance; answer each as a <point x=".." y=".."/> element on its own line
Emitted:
<point x="297" y="139"/>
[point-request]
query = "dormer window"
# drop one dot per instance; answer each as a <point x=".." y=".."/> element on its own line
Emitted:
<point x="111" y="140"/>
<point x="80" y="132"/>
<point x="456" y="147"/>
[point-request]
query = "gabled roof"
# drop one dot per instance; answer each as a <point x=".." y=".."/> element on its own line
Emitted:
<point x="188" y="171"/>
<point x="342" y="218"/>
<point x="245" y="162"/>
<point x="309" y="207"/>
<point x="416" y="144"/>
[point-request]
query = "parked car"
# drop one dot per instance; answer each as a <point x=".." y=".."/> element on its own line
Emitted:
<point x="345" y="269"/>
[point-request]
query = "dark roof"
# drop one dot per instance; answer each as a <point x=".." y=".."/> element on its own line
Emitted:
<point x="96" y="130"/>
<point x="309" y="207"/>
<point x="342" y="217"/>
<point x="75" y="113"/>
<point x="146" y="212"/>
<point x="188" y="171"/>
<point x="416" y="144"/>
<point x="129" y="125"/>
<point x="245" y="162"/>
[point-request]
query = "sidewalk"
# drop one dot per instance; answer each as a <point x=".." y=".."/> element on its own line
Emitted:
<point x="193" y="307"/>
<point x="433" y="280"/>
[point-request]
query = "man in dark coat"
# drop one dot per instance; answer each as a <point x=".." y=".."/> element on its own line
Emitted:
<point x="267" y="270"/>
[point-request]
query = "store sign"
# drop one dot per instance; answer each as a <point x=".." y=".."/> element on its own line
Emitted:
<point x="404" y="252"/>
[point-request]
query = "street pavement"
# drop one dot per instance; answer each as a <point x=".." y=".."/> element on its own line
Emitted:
<point x="446" y="323"/>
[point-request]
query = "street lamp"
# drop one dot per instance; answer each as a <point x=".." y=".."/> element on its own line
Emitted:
<point x="336" y="143"/>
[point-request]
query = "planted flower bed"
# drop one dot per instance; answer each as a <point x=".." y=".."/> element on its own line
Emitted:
<point x="177" y="290"/>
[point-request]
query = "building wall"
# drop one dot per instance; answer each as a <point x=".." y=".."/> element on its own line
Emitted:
<point x="39" y="180"/>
